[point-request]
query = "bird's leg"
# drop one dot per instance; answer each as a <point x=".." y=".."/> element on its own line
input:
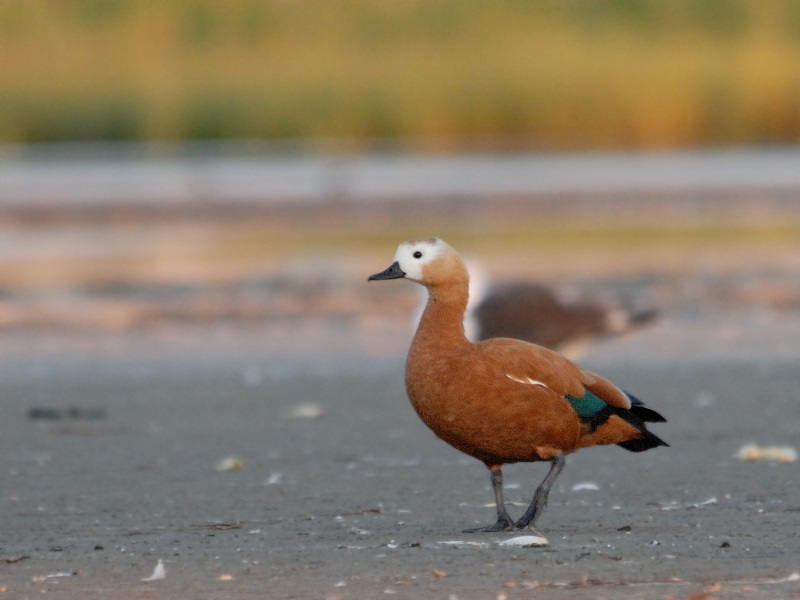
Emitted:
<point x="504" y="520"/>
<point x="540" y="495"/>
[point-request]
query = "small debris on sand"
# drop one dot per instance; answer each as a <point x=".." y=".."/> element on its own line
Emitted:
<point x="712" y="500"/>
<point x="16" y="559"/>
<point x="585" y="486"/>
<point x="158" y="573"/>
<point x="525" y="541"/>
<point x="219" y="526"/>
<point x="273" y="479"/>
<point x="305" y="410"/>
<point x="71" y="413"/>
<point x="464" y="543"/>
<point x="754" y="452"/>
<point x="231" y="463"/>
<point x="40" y="578"/>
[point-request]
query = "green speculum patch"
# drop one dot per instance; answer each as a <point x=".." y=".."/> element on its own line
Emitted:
<point x="587" y="405"/>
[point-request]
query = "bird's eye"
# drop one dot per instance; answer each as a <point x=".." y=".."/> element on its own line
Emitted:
<point x="417" y="254"/>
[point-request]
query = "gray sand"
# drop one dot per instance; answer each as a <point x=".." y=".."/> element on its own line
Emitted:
<point x="345" y="494"/>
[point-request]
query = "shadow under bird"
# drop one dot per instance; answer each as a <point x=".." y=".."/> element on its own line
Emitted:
<point x="503" y="400"/>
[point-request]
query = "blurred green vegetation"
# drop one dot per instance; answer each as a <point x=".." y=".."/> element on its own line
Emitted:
<point x="552" y="74"/>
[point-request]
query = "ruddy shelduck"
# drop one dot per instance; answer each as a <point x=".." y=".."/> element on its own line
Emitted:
<point x="503" y="400"/>
<point x="534" y="313"/>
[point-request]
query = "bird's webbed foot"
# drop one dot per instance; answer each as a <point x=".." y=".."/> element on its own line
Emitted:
<point x="503" y="524"/>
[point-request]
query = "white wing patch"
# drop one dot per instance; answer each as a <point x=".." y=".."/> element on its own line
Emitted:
<point x="526" y="380"/>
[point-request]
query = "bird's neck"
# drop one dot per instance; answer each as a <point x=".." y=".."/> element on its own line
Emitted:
<point x="442" y="322"/>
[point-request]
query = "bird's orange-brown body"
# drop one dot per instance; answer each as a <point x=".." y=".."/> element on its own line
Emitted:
<point x="503" y="400"/>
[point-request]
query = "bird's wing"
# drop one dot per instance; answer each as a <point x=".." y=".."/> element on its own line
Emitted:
<point x="608" y="392"/>
<point x="534" y="365"/>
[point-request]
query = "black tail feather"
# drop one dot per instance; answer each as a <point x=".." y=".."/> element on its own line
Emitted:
<point x="647" y="415"/>
<point x="646" y="442"/>
<point x="637" y="416"/>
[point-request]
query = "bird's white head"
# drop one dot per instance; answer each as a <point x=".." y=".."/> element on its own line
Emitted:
<point x="413" y="256"/>
<point x="430" y="262"/>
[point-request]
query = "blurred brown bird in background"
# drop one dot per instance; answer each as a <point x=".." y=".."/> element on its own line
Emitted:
<point x="534" y="313"/>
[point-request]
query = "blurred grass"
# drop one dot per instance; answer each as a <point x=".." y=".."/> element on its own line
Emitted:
<point x="547" y="74"/>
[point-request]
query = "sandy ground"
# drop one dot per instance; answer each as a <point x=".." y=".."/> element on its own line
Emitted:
<point x="110" y="445"/>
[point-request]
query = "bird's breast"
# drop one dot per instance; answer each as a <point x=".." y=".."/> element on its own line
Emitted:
<point x="486" y="414"/>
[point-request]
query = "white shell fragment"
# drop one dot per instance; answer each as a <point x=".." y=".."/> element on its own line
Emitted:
<point x="464" y="543"/>
<point x="158" y="573"/>
<point x="674" y="505"/>
<point x="751" y="452"/>
<point x="40" y="578"/>
<point x="712" y="500"/>
<point x="305" y="410"/>
<point x="274" y="478"/>
<point x="230" y="463"/>
<point x="585" y="486"/>
<point x="525" y="541"/>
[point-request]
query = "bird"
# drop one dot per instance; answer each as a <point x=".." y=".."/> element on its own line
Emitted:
<point x="535" y="313"/>
<point x="503" y="400"/>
